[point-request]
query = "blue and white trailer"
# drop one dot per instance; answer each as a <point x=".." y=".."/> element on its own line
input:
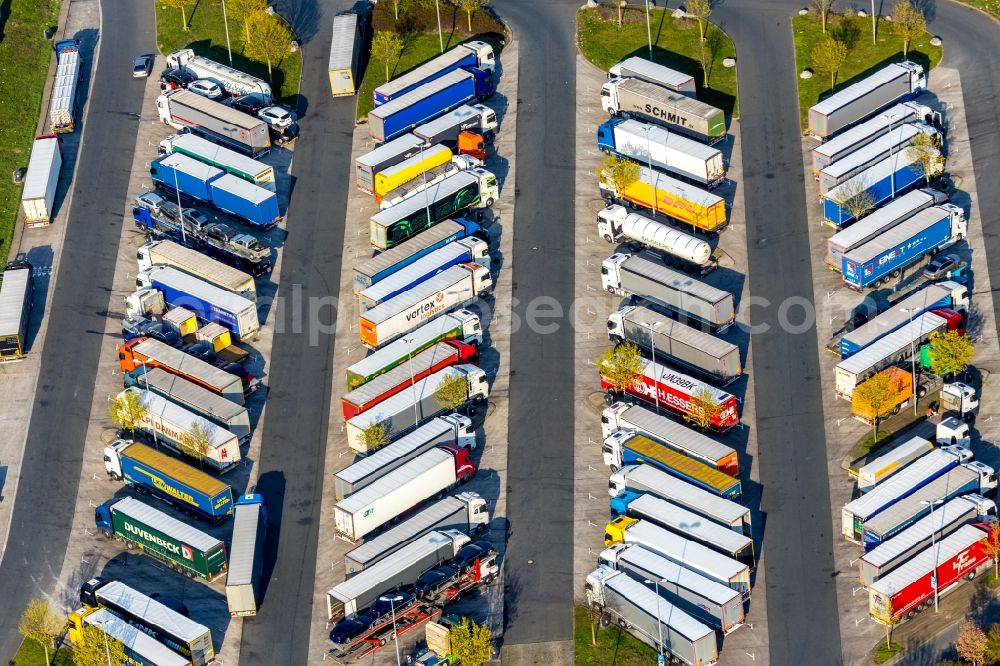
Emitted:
<point x="180" y="173"/>
<point x="892" y="143"/>
<point x="208" y="302"/>
<point x="470" y="55"/>
<point x="250" y="203"/>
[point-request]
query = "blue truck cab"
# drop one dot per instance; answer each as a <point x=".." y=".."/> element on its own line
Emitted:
<point x="620" y="502"/>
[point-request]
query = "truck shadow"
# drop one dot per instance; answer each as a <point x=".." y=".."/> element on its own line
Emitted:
<point x="272" y="486"/>
<point x="40" y="258"/>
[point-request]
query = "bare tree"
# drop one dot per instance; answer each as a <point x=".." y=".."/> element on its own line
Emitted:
<point x="828" y="56"/>
<point x="926" y="156"/>
<point x="971" y="643"/>
<point x="375" y="436"/>
<point x="908" y="22"/>
<point x="823" y="8"/>
<point x="701" y="10"/>
<point x="855" y="196"/>
<point x="128" y="411"/>
<point x="387" y="47"/>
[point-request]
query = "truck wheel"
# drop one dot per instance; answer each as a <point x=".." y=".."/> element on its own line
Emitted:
<point x="381" y="642"/>
<point x="921" y="391"/>
<point x="895" y="410"/>
<point x="909" y="616"/>
<point x="896" y="273"/>
<point x="483" y="294"/>
<point x="108" y="534"/>
<point x="614" y="469"/>
<point x="605" y="620"/>
<point x="616" y="340"/>
<point x="611" y="290"/>
<point x="489" y="202"/>
<point x="608" y="238"/>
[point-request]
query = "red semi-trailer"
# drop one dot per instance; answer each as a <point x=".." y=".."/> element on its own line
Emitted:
<point x="664" y="387"/>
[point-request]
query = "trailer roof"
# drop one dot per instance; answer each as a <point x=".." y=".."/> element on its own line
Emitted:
<point x="919" y="531"/>
<point x="224" y="113"/>
<point x="189" y="165"/>
<point x="152" y="611"/>
<point x="639" y="263"/>
<point x="678" y="188"/>
<point x="900" y="134"/>
<point x="397" y="477"/>
<point x="901" y="484"/>
<point x="653" y="70"/>
<point x="911" y="505"/>
<point x="422" y="266"/>
<point x="903" y="206"/>
<point x="189" y="284"/>
<point x="176" y="415"/>
<point x="425" y="238"/>
<point x="922" y="563"/>
<point x="416" y="294"/>
<point x="426" y="198"/>
<point x="44" y="152"/>
<point x="859" y="89"/>
<point x="178" y="388"/>
<point x="872" y="175"/>
<point x="691" y="554"/>
<point x="14" y="284"/>
<point x="894" y="317"/>
<point x="243" y="549"/>
<point x="844" y="140"/>
<point x="244" y="188"/>
<point x="186" y="256"/>
<point x="901" y="452"/>
<point x="397" y="146"/>
<point x="408" y="99"/>
<point x="185" y="363"/>
<point x="664" y="569"/>
<point x="169" y="525"/>
<point x="136" y="640"/>
<point x="453" y="117"/>
<point x="398" y="403"/>
<point x="213" y="152"/>
<point x="176" y="469"/>
<point x="890" y="238"/>
<point x="663" y="428"/>
<point x="888" y="344"/>
<point x="681" y="332"/>
<point x="686" y="104"/>
<point x="680" y="519"/>
<point x="401" y="348"/>
<point x="361" y="582"/>
<point x="678" y="490"/>
<point x="667" y="375"/>
<point x="693" y="467"/>
<point x="345" y="27"/>
<point x="663" y="136"/>
<point x="417" y="159"/>
<point x="410" y="528"/>
<point x="398" y="449"/>
<point x="647" y="600"/>
<point x="421" y="72"/>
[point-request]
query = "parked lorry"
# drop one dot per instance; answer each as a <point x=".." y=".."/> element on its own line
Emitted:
<point x="433" y="359"/>
<point x="647" y="70"/>
<point x="246" y="560"/>
<point x="464" y="251"/>
<point x="169" y="253"/>
<point x="207" y="301"/>
<point x="430" y="178"/>
<point x="640" y="276"/>
<point x="470" y="55"/>
<point x="450" y="289"/>
<point x="188" y="111"/>
<point x="633" y="480"/>
<point x="345" y="54"/>
<point x="683" y="114"/>
<point x="402" y="567"/>
<point x="880" y="183"/>
<point x="170" y="424"/>
<point x="465" y="512"/>
<point x="138" y="647"/>
<point x="653" y="620"/>
<point x="668" y="151"/>
<point x="893" y="143"/>
<point x="676" y="343"/>
<point x="473" y="118"/>
<point x="191" y="396"/>
<point x="616" y="224"/>
<point x="148" y="353"/>
<point x="707" y="600"/>
<point x="381" y="158"/>
<point x="16" y="298"/>
<point x="409" y="169"/>
<point x="428" y="101"/>
<point x="947" y="294"/>
<point x="176" y="631"/>
<point x="971" y="478"/>
<point x="452" y="429"/>
<point x="621" y="416"/>
<point x="947" y="518"/>
<point x="407" y="486"/>
<point x="233" y="81"/>
<point x="461" y="325"/>
<point x="886" y="256"/>
<point x="410" y="408"/>
<point x="475" y="188"/>
<point x="918" y="474"/>
<point x="150" y="472"/>
<point x="664" y="387"/>
<point x="893" y="83"/>
<point x="62" y="100"/>
<point x="935" y="571"/>
<point x="891" y="462"/>
<point x="861" y="135"/>
<point x="629" y="448"/>
<point x="670" y="197"/>
<point x="220" y="157"/>
<point x="41" y="181"/>
<point x="162" y="537"/>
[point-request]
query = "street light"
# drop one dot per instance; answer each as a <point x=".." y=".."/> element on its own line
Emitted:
<point x="934" y="580"/>
<point x="180" y="211"/>
<point x="649" y="34"/>
<point x="393" y="600"/>
<point x="873" y="22"/>
<point x="892" y="176"/>
<point x="660" y="660"/>
<point x="649" y="163"/>
<point x="652" y="342"/>
<point x="437" y="8"/>
<point x="104" y="631"/>
<point x="913" y="359"/>
<point x="413" y="380"/>
<point x="225" y="22"/>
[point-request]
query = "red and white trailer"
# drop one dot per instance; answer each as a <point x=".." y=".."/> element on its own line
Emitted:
<point x="909" y="589"/>
<point x="659" y="385"/>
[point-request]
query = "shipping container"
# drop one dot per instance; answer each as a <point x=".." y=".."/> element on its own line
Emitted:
<point x="220" y="157"/>
<point x="427" y="102"/>
<point x="881" y="182"/>
<point x="893" y="83"/>
<point x="179" y="173"/>
<point x="670" y="197"/>
<point x="246" y="563"/>
<point x="893" y="143"/>
<point x="891" y="462"/>
<point x="676" y="111"/>
<point x="668" y="151"/>
<point x="232" y="416"/>
<point x="16" y="297"/>
<point x="148" y="353"/>
<point x="169" y="253"/>
<point x="214" y="121"/>
<point x="233" y="81"/>
<point x="247" y="202"/>
<point x="647" y="70"/>
<point x="208" y="302"/>
<point x="345" y="54"/>
<point x="137" y="645"/>
<point x="41" y="181"/>
<point x="62" y="99"/>
<point x="470" y="54"/>
<point x="383" y="157"/>
<point x="861" y="135"/>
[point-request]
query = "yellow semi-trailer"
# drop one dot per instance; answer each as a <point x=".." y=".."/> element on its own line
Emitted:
<point x="345" y="52"/>
<point x="407" y="170"/>
<point x="668" y="196"/>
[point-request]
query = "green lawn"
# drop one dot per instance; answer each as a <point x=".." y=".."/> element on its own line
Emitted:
<point x="676" y="44"/>
<point x="30" y="654"/>
<point x="991" y="7"/>
<point x="207" y="36"/>
<point x="614" y="646"/>
<point x="24" y="62"/>
<point x="863" y="57"/>
<point x="884" y="653"/>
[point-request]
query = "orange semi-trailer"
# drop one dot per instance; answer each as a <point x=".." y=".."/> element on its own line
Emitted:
<point x="668" y="196"/>
<point x="148" y="354"/>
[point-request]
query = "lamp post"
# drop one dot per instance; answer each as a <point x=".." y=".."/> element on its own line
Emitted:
<point x="392" y="609"/>
<point x="892" y="176"/>
<point x="913" y="359"/>
<point x="225" y="22"/>
<point x="437" y="8"/>
<point x="660" y="660"/>
<point x="652" y="342"/>
<point x="180" y="211"/>
<point x="649" y="163"/>
<point x="104" y="631"/>
<point x="873" y="22"/>
<point x="649" y="33"/>
<point x="413" y="381"/>
<point x="934" y="580"/>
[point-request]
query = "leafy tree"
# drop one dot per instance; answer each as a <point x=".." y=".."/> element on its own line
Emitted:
<point x="98" y="649"/>
<point x="472" y="643"/>
<point x="701" y="10"/>
<point x="855" y="196"/>
<point x="387" y="47"/>
<point x="181" y="5"/>
<point x="41" y="624"/>
<point x="926" y="155"/>
<point x="272" y="38"/>
<point x="375" y="436"/>
<point x="877" y="396"/>
<point x="470" y="7"/>
<point x="705" y="409"/>
<point x="621" y="365"/>
<point x="197" y="441"/>
<point x="823" y="8"/>
<point x="951" y="353"/>
<point x="127" y="410"/>
<point x="993" y="644"/>
<point x="908" y="22"/>
<point x="619" y="172"/>
<point x="992" y="547"/>
<point x="241" y="10"/>
<point x="453" y="391"/>
<point x="971" y="643"/>
<point x="889" y="618"/>
<point x="828" y="56"/>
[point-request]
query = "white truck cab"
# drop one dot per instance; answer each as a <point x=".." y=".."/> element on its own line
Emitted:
<point x="959" y="397"/>
<point x="143" y="302"/>
<point x="611" y="450"/>
<point x="489" y="189"/>
<point x="609" y="222"/>
<point x="987" y="475"/>
<point x="112" y="458"/>
<point x="953" y="433"/>
<point x="611" y="416"/>
<point x="610" y="276"/>
<point x="609" y="95"/>
<point x="484" y="54"/>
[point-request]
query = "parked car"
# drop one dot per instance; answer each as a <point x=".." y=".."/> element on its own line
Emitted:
<point x="172" y="79"/>
<point x="350" y="628"/>
<point x="275" y="116"/>
<point x="195" y="218"/>
<point x="941" y="265"/>
<point x="383" y="609"/>
<point x="136" y="328"/>
<point x="142" y="66"/>
<point x="434" y="582"/>
<point x="250" y="103"/>
<point x="283" y="135"/>
<point x="201" y="350"/>
<point x="207" y="88"/>
<point x="469" y="553"/>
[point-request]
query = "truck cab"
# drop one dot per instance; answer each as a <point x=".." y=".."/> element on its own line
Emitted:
<point x="960" y="398"/>
<point x="479" y="388"/>
<point x="614" y="532"/>
<point x="617" y="482"/>
<point x="611" y="417"/>
<point x="616" y="330"/>
<point x="251" y="499"/>
<point x="918" y="78"/>
<point x="478" y="510"/>
<point x="619" y="503"/>
<point x="953" y="434"/>
<point x="472" y="144"/>
<point x="112" y="458"/>
<point x="610" y="278"/>
<point x="144" y="302"/>
<point x="609" y="95"/>
<point x="472" y="328"/>
<point x="485" y="57"/>
<point x="482" y="280"/>
<point x="489" y="190"/>
<point x="987" y="475"/>
<point x="611" y="450"/>
<point x="102" y="517"/>
<point x="609" y="223"/>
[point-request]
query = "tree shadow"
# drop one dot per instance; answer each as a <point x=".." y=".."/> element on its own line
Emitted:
<point x="846" y="32"/>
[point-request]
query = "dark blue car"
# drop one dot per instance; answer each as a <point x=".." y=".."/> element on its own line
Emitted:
<point x="383" y="609"/>
<point x="348" y="629"/>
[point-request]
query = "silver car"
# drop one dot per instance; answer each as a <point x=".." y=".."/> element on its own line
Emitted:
<point x="142" y="67"/>
<point x="207" y="88"/>
<point x="275" y="116"/>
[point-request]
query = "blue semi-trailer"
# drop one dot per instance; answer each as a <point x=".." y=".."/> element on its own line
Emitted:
<point x="473" y="54"/>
